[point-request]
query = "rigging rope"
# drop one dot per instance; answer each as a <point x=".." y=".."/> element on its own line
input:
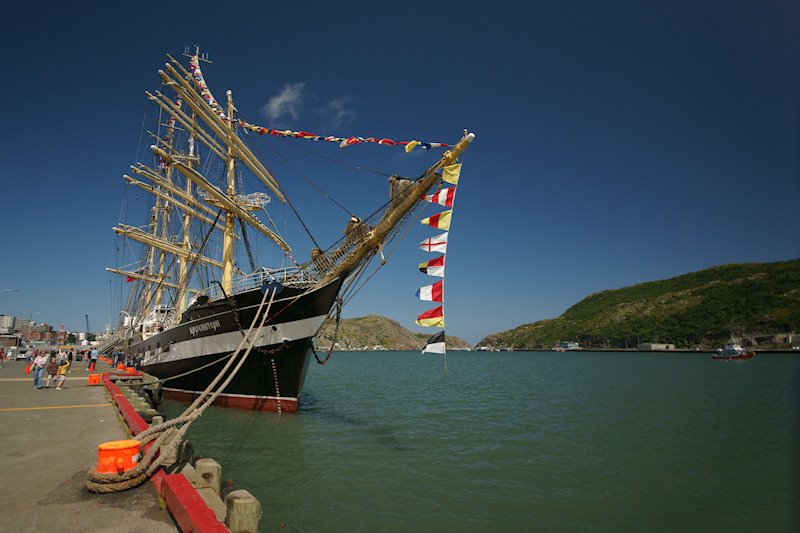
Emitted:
<point x="287" y="200"/>
<point x="201" y="249"/>
<point x="323" y="193"/>
<point x="333" y="160"/>
<point x="247" y="244"/>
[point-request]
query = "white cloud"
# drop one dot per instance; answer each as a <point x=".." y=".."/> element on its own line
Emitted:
<point x="287" y="103"/>
<point x="338" y="112"/>
<point x="294" y="100"/>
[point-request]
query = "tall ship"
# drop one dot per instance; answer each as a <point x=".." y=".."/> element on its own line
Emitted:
<point x="187" y="302"/>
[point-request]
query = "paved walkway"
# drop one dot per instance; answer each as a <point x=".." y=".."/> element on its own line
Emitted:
<point x="48" y="440"/>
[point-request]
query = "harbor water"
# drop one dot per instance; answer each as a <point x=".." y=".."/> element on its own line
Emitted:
<point x="523" y="441"/>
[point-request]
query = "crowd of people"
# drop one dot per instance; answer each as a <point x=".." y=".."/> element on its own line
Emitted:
<point x="129" y="359"/>
<point x="57" y="363"/>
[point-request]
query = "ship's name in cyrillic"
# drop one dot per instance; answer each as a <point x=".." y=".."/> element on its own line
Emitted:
<point x="205" y="326"/>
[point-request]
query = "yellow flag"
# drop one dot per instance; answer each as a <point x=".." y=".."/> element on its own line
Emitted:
<point x="437" y="322"/>
<point x="451" y="173"/>
<point x="411" y="145"/>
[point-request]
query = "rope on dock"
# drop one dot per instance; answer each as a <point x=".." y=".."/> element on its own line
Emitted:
<point x="167" y="435"/>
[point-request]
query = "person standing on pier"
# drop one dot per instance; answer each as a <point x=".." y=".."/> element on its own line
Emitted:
<point x="39" y="361"/>
<point x="52" y="370"/>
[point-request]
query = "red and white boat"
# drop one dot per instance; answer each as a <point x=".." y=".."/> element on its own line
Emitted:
<point x="733" y="351"/>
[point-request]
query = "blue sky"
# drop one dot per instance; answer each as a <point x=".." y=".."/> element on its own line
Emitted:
<point x="617" y="142"/>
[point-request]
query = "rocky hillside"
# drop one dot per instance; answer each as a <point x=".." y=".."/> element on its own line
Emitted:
<point x="759" y="303"/>
<point x="375" y="332"/>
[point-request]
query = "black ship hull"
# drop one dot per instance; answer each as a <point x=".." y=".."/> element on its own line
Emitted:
<point x="189" y="355"/>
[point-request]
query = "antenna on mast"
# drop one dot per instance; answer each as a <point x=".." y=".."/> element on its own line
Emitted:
<point x="201" y="57"/>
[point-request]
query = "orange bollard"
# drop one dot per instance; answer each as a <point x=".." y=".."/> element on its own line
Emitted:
<point x="94" y="379"/>
<point x="27" y="368"/>
<point x="120" y="367"/>
<point x="91" y="367"/>
<point x="117" y="456"/>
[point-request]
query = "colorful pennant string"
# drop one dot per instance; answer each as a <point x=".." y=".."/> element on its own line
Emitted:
<point x="435" y="267"/>
<point x="194" y="67"/>
<point x="162" y="165"/>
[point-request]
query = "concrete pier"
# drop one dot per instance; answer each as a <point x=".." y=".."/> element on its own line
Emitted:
<point x="48" y="440"/>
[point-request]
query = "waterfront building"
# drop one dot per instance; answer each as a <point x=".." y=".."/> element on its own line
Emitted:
<point x="6" y="325"/>
<point x="653" y="347"/>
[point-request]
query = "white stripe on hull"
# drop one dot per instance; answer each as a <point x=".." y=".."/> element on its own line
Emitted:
<point x="271" y="334"/>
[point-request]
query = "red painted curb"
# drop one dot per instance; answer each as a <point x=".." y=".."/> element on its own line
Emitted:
<point x="188" y="508"/>
<point x="135" y="422"/>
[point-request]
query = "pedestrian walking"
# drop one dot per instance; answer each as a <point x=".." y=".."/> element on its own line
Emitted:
<point x="52" y="371"/>
<point x="39" y="362"/>
<point x="62" y="374"/>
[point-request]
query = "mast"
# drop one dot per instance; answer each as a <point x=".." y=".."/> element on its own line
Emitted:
<point x="230" y="217"/>
<point x="163" y="211"/>
<point x="183" y="265"/>
<point x="164" y="219"/>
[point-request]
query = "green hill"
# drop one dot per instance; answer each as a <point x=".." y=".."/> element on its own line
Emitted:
<point x="759" y="303"/>
<point x="375" y="332"/>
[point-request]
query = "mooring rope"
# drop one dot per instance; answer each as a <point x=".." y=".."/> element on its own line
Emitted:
<point x="111" y="482"/>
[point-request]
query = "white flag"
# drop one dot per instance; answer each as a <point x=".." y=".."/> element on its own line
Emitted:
<point x="435" y="244"/>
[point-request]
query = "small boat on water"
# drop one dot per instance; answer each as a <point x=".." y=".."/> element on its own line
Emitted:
<point x="733" y="351"/>
<point x="566" y="346"/>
